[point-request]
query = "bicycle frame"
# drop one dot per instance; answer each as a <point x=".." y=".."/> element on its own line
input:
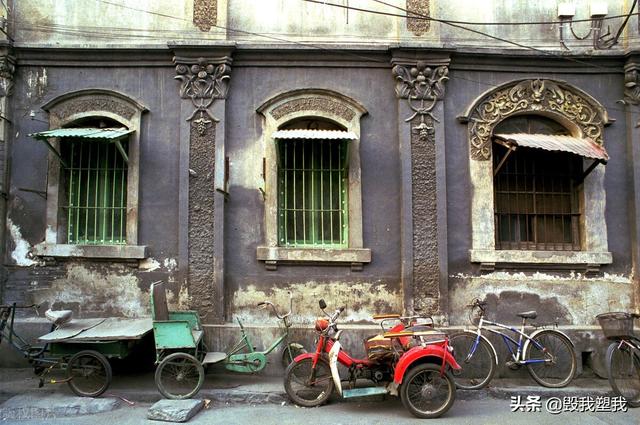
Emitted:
<point x="245" y="342"/>
<point x="509" y="342"/>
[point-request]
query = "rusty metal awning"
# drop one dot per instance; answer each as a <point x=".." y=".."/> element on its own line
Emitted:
<point x="315" y="134"/>
<point x="584" y="147"/>
<point x="112" y="135"/>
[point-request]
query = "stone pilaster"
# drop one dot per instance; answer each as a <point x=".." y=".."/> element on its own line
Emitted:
<point x="7" y="69"/>
<point x="632" y="109"/>
<point x="420" y="87"/>
<point x="204" y="87"/>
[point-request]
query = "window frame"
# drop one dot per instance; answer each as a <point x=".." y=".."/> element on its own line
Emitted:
<point x="534" y="97"/>
<point x="75" y="107"/>
<point x="279" y="111"/>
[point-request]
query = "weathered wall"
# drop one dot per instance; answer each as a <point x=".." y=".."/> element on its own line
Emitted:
<point x="377" y="288"/>
<point x="93" y="287"/>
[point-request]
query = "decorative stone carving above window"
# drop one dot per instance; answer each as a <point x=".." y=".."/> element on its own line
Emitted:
<point x="582" y="116"/>
<point x="546" y="97"/>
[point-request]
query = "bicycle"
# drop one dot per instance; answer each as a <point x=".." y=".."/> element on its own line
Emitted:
<point x="623" y="355"/>
<point x="548" y="353"/>
<point x="181" y="354"/>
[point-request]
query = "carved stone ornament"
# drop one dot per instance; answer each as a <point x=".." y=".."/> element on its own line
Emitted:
<point x="93" y="103"/>
<point x="422" y="86"/>
<point x="203" y="82"/>
<point x="313" y="104"/>
<point x="535" y="97"/>
<point x="631" y="86"/>
<point x="421" y="9"/>
<point x="205" y="14"/>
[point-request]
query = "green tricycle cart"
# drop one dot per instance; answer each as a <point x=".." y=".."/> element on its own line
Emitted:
<point x="181" y="353"/>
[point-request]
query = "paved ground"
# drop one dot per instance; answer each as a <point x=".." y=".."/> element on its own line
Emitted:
<point x="244" y="399"/>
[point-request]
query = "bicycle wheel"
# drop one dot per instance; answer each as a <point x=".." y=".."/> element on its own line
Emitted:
<point x="305" y="389"/>
<point x="426" y="393"/>
<point x="623" y="368"/>
<point x="89" y="373"/>
<point x="179" y="376"/>
<point x="290" y="352"/>
<point x="478" y="365"/>
<point x="552" y="359"/>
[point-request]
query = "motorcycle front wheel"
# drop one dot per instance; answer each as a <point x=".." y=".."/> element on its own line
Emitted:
<point x="426" y="393"/>
<point x="306" y="388"/>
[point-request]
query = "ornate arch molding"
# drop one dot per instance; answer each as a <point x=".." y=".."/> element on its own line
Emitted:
<point x="72" y="106"/>
<point x="572" y="107"/>
<point x="312" y="102"/>
<point x="342" y="110"/>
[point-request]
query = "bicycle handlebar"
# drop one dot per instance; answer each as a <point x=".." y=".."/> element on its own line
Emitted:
<point x="273" y="307"/>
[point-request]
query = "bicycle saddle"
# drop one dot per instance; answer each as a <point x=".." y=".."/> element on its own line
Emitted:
<point x="58" y="317"/>
<point x="528" y="314"/>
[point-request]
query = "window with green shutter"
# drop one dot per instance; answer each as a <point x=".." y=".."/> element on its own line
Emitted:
<point x="96" y="191"/>
<point x="313" y="193"/>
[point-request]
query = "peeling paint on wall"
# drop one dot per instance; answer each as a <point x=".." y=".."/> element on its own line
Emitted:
<point x="170" y="264"/>
<point x="149" y="264"/>
<point x="21" y="254"/>
<point x="362" y="300"/>
<point x="36" y="84"/>
<point x="569" y="300"/>
<point x="94" y="292"/>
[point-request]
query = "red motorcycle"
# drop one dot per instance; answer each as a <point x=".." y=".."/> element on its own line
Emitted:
<point x="409" y="359"/>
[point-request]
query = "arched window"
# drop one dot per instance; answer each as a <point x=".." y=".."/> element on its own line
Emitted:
<point x="92" y="189"/>
<point x="312" y="180"/>
<point x="537" y="189"/>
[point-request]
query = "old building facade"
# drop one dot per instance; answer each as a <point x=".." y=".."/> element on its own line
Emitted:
<point x="340" y="151"/>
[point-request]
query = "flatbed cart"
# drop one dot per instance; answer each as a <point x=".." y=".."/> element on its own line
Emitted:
<point x="82" y="347"/>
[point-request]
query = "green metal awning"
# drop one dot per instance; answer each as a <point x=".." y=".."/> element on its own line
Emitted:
<point x="111" y="135"/>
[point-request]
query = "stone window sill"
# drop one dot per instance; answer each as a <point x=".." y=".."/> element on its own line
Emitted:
<point x="122" y="252"/>
<point x="275" y="255"/>
<point x="566" y="259"/>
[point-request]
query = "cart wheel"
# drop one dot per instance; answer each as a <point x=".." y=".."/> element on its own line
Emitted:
<point x="179" y="376"/>
<point x="427" y="393"/>
<point x="89" y="373"/>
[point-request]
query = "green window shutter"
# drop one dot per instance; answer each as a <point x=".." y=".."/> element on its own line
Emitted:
<point x="96" y="198"/>
<point x="313" y="193"/>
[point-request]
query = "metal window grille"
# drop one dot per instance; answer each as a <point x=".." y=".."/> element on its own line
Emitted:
<point x="96" y="182"/>
<point x="312" y="193"/>
<point x="537" y="200"/>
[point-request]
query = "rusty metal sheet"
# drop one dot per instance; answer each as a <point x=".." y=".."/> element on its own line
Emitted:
<point x="117" y="329"/>
<point x="580" y="146"/>
<point x="315" y="134"/>
<point x="112" y="329"/>
<point x="70" y="329"/>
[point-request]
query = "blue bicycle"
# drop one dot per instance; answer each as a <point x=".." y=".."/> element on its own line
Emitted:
<point x="548" y="353"/>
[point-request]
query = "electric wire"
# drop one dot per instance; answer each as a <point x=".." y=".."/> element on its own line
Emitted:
<point x="344" y="51"/>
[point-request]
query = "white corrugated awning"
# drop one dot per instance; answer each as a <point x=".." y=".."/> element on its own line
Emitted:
<point x="84" y="133"/>
<point x="111" y="135"/>
<point x="315" y="134"/>
<point x="580" y="146"/>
